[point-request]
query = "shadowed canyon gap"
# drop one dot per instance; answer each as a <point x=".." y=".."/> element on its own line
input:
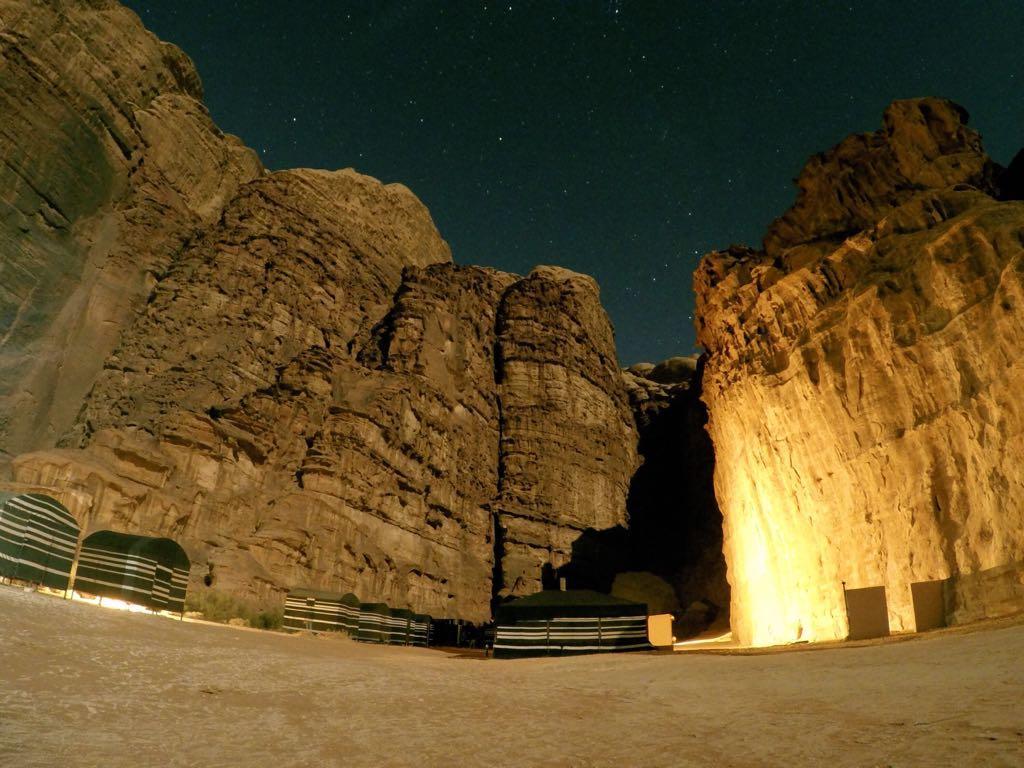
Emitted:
<point x="287" y="373"/>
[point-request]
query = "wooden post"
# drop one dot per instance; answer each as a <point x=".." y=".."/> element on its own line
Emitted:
<point x="46" y="562"/>
<point x="70" y="591"/>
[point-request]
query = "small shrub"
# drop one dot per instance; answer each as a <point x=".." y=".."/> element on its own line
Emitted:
<point x="221" y="607"/>
<point x="271" y="619"/>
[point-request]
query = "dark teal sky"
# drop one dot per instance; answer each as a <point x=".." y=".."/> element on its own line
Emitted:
<point x="622" y="139"/>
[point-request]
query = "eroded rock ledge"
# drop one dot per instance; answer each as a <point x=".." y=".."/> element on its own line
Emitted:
<point x="863" y="381"/>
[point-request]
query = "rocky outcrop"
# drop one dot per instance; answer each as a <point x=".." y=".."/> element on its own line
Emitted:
<point x="376" y="470"/>
<point x="96" y="198"/>
<point x="568" y="440"/>
<point x="213" y="421"/>
<point x="862" y="380"/>
<point x="299" y="260"/>
<point x="284" y="371"/>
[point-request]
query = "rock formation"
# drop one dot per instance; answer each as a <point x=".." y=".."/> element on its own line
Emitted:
<point x="284" y="371"/>
<point x="673" y="540"/>
<point x="566" y="427"/>
<point x="96" y="198"/>
<point x="863" y="380"/>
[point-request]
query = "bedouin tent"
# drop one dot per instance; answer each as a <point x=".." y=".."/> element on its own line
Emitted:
<point x="400" y="626"/>
<point x="374" y="623"/>
<point x="145" y="570"/>
<point x="38" y="537"/>
<point x="419" y="630"/>
<point x="321" y="611"/>
<point x="569" y="622"/>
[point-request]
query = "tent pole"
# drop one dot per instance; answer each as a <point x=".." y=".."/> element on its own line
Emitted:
<point x="46" y="563"/>
<point x="21" y="551"/>
<point x="70" y="591"/>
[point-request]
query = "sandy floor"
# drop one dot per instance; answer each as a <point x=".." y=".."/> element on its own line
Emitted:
<point x="85" y="686"/>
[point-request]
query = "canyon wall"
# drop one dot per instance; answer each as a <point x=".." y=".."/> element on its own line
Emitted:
<point x="283" y="371"/>
<point x="96" y="196"/>
<point x="863" y="380"/>
<point x="567" y="431"/>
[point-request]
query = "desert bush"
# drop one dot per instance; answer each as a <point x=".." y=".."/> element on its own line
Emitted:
<point x="270" y="619"/>
<point x="215" y="605"/>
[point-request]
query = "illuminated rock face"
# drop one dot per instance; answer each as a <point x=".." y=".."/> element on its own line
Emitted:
<point x="864" y="380"/>
<point x="283" y="371"/>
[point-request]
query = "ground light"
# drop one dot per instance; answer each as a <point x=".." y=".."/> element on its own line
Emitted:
<point x="118" y="605"/>
<point x="110" y="602"/>
<point x="719" y="640"/>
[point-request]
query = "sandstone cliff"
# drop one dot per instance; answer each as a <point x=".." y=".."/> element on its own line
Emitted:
<point x="862" y="381"/>
<point x="378" y="470"/>
<point x="568" y="441"/>
<point x="96" y="198"/>
<point x="283" y="371"/>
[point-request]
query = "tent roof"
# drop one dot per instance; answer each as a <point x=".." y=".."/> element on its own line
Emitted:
<point x="336" y="597"/>
<point x="49" y="501"/>
<point x="165" y="551"/>
<point x="553" y="603"/>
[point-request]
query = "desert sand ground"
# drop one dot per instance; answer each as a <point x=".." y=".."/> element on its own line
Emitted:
<point x="86" y="686"/>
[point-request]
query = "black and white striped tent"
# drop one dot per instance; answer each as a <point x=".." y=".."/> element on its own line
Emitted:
<point x="394" y="626"/>
<point x="569" y="622"/>
<point x="148" y="571"/>
<point x="374" y="623"/>
<point x="38" y="538"/>
<point x="321" y="611"/>
<point x="419" y="630"/>
<point x="400" y="626"/>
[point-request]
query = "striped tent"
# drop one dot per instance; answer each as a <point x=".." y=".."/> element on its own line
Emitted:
<point x="419" y="630"/>
<point x="400" y="626"/>
<point x="570" y="622"/>
<point x="321" y="611"/>
<point x="374" y="623"/>
<point x="38" y="538"/>
<point x="147" y="571"/>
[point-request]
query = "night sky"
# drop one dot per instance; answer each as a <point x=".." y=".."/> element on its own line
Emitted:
<point x="622" y="139"/>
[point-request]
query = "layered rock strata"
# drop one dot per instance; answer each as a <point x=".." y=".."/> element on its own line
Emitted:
<point x="862" y="380"/>
<point x="568" y="440"/>
<point x="377" y="471"/>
